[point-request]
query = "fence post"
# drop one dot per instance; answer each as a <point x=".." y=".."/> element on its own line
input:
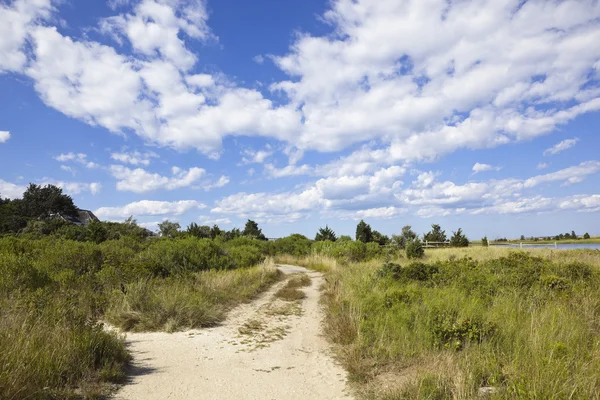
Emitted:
<point x="555" y="245"/>
<point x="521" y="245"/>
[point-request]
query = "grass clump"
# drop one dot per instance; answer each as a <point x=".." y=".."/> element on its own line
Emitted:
<point x="291" y="292"/>
<point x="522" y="324"/>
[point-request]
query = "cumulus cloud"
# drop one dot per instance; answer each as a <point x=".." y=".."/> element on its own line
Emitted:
<point x="484" y="167"/>
<point x="134" y="158"/>
<point x="10" y="190"/>
<point x="542" y="165"/>
<point x="561" y="146"/>
<point x="416" y="100"/>
<point x="145" y="208"/>
<point x="4" y="136"/>
<point x="140" y="181"/>
<point x="80" y="158"/>
<point x="256" y="156"/>
<point x="222" y="181"/>
<point x="568" y="175"/>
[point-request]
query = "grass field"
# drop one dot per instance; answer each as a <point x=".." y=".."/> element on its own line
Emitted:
<point x="468" y="323"/>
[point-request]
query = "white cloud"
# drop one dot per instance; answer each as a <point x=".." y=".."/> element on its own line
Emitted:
<point x="562" y="146"/>
<point x="68" y="169"/>
<point x="10" y="190"/>
<point x="256" y="156"/>
<point x="16" y="22"/>
<point x="542" y="165"/>
<point x="223" y="180"/>
<point x="568" y="175"/>
<point x="368" y="80"/>
<point x="80" y="158"/>
<point x="4" y="136"/>
<point x="134" y="158"/>
<point x="204" y="220"/>
<point x="140" y="181"/>
<point x="484" y="167"/>
<point x="149" y="208"/>
<point x="73" y="187"/>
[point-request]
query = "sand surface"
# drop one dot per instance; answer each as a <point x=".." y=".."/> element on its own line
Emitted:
<point x="267" y="349"/>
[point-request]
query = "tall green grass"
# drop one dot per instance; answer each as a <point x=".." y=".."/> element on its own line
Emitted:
<point x="54" y="295"/>
<point x="524" y="325"/>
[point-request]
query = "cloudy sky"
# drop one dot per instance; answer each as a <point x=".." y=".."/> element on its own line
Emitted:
<point x="299" y="113"/>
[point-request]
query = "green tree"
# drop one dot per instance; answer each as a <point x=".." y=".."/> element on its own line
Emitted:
<point x="484" y="242"/>
<point x="573" y="235"/>
<point x="215" y="231"/>
<point x="43" y="201"/>
<point x="414" y="249"/>
<point x="458" y="239"/>
<point x="435" y="235"/>
<point x="344" y="238"/>
<point x="364" y="232"/>
<point x="96" y="232"/>
<point x="325" y="234"/>
<point x="522" y="237"/>
<point x="586" y="236"/>
<point x="380" y="238"/>
<point x="168" y="228"/>
<point x="406" y="236"/>
<point x="201" y="232"/>
<point x="252" y="230"/>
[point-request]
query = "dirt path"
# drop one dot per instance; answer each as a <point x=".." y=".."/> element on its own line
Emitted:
<point x="268" y="349"/>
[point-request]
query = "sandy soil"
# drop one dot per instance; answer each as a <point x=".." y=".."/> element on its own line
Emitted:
<point x="268" y="349"/>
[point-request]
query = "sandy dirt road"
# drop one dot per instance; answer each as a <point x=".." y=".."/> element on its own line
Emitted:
<point x="267" y="349"/>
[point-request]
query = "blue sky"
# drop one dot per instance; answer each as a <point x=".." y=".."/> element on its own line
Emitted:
<point x="475" y="114"/>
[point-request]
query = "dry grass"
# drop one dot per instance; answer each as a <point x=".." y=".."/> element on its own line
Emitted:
<point x="546" y="343"/>
<point x="290" y="294"/>
<point x="194" y="301"/>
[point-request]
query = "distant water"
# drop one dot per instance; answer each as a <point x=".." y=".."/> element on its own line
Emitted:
<point x="566" y="246"/>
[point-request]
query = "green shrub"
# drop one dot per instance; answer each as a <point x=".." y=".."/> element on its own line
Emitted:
<point x="414" y="249"/>
<point x="296" y="245"/>
<point x="245" y="256"/>
<point x="554" y="282"/>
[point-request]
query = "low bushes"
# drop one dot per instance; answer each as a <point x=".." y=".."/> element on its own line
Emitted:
<point x="523" y="324"/>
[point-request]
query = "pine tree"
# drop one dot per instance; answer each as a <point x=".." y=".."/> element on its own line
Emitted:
<point x="435" y="235"/>
<point x="458" y="239"/>
<point x="364" y="232"/>
<point x="325" y="234"/>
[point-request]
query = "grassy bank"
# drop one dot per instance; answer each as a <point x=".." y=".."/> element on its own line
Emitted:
<point x="54" y="295"/>
<point x="468" y="323"/>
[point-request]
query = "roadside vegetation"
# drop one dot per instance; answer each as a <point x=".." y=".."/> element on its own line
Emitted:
<point x="407" y="322"/>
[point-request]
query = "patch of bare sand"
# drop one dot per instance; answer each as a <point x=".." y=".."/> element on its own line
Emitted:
<point x="267" y="349"/>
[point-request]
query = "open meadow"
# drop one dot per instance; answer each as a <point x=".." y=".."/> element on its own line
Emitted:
<point x="467" y="323"/>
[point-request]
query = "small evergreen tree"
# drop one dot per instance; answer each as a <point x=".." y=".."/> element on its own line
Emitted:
<point x="252" y="230"/>
<point x="458" y="239"/>
<point x="325" y="234"/>
<point x="364" y="232"/>
<point x="215" y="231"/>
<point x="586" y="236"/>
<point x="522" y="237"/>
<point x="573" y="235"/>
<point x="414" y="249"/>
<point x="436" y="234"/>
<point x="484" y="242"/>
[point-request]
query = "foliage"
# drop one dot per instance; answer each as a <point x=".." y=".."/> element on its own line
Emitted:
<point x="436" y="234"/>
<point x="414" y="249"/>
<point x="586" y="236"/>
<point x="168" y="228"/>
<point x="519" y="323"/>
<point x="363" y="232"/>
<point x="43" y="201"/>
<point x="325" y="234"/>
<point x="296" y="245"/>
<point x="484" y="241"/>
<point x="201" y="232"/>
<point x="406" y="236"/>
<point x="252" y="230"/>
<point x="380" y="238"/>
<point x="458" y="239"/>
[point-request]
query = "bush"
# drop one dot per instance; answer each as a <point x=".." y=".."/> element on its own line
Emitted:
<point x="458" y="239"/>
<point x="245" y="256"/>
<point x="414" y="249"/>
<point x="296" y="245"/>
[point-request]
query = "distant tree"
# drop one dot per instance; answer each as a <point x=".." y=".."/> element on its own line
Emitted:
<point x="406" y="236"/>
<point x="168" y="228"/>
<point x="252" y="230"/>
<point x="435" y="235"/>
<point x="364" y="232"/>
<point x="201" y="232"/>
<point x="573" y="235"/>
<point x="586" y="236"/>
<point x="345" y="238"/>
<point x="522" y="237"/>
<point x="380" y="238"/>
<point x="458" y="239"/>
<point x="232" y="234"/>
<point x="414" y="249"/>
<point x="43" y="201"/>
<point x="215" y="231"/>
<point x="325" y="234"/>
<point x="484" y="242"/>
